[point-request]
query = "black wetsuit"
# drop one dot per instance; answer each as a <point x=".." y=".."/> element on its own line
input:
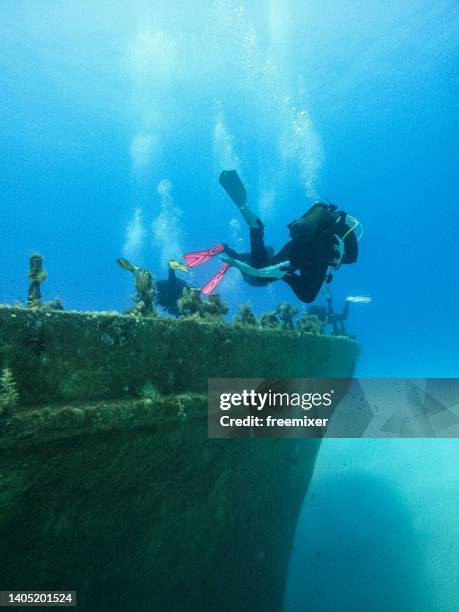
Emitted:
<point x="310" y="260"/>
<point x="169" y="292"/>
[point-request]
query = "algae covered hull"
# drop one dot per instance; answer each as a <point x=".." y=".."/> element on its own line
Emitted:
<point x="126" y="500"/>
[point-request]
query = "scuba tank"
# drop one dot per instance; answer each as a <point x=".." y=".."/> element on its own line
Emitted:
<point x="337" y="228"/>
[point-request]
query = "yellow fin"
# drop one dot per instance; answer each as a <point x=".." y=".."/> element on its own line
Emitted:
<point x="125" y="264"/>
<point x="175" y="265"/>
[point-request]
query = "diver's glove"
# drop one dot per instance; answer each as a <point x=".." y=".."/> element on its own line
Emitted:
<point x="277" y="271"/>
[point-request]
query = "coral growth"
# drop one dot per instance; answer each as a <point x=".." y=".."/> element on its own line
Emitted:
<point x="282" y="317"/>
<point x="149" y="393"/>
<point x="37" y="275"/>
<point x="145" y="294"/>
<point x="214" y="307"/>
<point x="246" y="315"/>
<point x="9" y="397"/>
<point x="191" y="304"/>
<point x="310" y="324"/>
<point x="270" y="320"/>
<point x="287" y="313"/>
<point x="55" y="304"/>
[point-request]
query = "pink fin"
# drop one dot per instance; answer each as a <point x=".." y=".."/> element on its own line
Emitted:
<point x="199" y="257"/>
<point x="207" y="289"/>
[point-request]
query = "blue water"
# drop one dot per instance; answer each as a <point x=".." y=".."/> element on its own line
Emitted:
<point x="116" y="119"/>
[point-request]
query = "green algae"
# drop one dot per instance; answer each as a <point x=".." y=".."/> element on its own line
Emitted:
<point x="109" y="484"/>
<point x="65" y="356"/>
<point x="9" y="396"/>
<point x="138" y="510"/>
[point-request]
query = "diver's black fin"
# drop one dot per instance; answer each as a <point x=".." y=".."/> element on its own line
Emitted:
<point x="232" y="184"/>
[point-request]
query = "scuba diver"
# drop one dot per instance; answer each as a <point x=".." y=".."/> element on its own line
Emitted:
<point x="168" y="291"/>
<point x="320" y="241"/>
<point x="328" y="316"/>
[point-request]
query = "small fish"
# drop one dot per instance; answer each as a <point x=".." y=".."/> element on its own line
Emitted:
<point x="359" y="299"/>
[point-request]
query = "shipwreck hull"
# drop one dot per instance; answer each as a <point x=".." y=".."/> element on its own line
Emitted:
<point x="127" y="501"/>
